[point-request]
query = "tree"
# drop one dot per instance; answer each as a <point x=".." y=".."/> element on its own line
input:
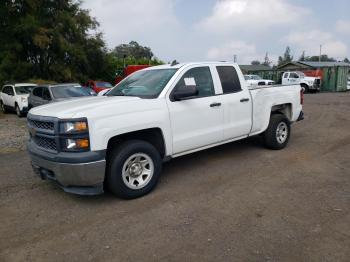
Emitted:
<point x="255" y="62"/>
<point x="54" y="40"/>
<point x="133" y="50"/>
<point x="134" y="53"/>
<point x="287" y="57"/>
<point x="302" y="57"/>
<point x="346" y="60"/>
<point x="267" y="61"/>
<point x="324" y="58"/>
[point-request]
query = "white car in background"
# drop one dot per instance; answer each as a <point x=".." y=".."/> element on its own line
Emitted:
<point x="255" y="80"/>
<point x="14" y="97"/>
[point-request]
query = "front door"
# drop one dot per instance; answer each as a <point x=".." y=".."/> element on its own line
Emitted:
<point x="198" y="121"/>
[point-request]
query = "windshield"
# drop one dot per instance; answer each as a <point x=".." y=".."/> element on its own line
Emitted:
<point x="104" y="84"/>
<point x="69" y="91"/>
<point x="22" y="90"/>
<point x="255" y="77"/>
<point x="144" y="84"/>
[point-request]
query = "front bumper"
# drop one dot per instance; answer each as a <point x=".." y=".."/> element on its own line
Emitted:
<point x="83" y="178"/>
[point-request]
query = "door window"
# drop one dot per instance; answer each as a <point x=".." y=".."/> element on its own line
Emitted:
<point x="38" y="92"/>
<point x="286" y="75"/>
<point x="229" y="79"/>
<point x="200" y="77"/>
<point x="46" y="94"/>
<point x="294" y="75"/>
<point x="5" y="90"/>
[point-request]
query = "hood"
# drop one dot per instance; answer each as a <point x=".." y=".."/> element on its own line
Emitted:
<point x="311" y="78"/>
<point x="82" y="107"/>
<point x="23" y="95"/>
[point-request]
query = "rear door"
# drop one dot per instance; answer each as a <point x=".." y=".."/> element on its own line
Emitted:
<point x="198" y="121"/>
<point x="236" y="102"/>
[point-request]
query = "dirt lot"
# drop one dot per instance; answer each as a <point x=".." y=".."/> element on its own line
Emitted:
<point x="237" y="202"/>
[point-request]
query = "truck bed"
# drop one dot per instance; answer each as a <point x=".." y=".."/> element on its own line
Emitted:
<point x="282" y="97"/>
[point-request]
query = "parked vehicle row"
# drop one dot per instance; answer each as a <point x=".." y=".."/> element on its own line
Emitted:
<point x="120" y="140"/>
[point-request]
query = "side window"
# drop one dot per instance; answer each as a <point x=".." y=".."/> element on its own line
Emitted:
<point x="286" y="75"/>
<point x="46" y="94"/>
<point x="200" y="77"/>
<point x="38" y="91"/>
<point x="229" y="79"/>
<point x="5" y="90"/>
<point x="294" y="75"/>
<point x="10" y="91"/>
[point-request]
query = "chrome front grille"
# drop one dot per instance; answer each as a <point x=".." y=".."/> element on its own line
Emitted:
<point x="42" y="132"/>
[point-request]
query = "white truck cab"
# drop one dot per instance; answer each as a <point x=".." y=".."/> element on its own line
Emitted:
<point x="15" y="97"/>
<point x="310" y="84"/>
<point x="120" y="140"/>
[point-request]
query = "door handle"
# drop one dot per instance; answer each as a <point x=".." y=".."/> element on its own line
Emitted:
<point x="215" y="104"/>
<point x="244" y="100"/>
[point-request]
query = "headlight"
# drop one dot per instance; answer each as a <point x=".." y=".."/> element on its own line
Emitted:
<point x="74" y="127"/>
<point x="72" y="144"/>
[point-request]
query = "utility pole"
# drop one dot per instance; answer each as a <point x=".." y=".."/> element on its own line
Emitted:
<point x="235" y="58"/>
<point x="319" y="58"/>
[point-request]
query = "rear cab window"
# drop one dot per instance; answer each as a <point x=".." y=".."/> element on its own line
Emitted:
<point x="229" y="79"/>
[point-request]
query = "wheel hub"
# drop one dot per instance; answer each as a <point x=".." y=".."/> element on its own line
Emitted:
<point x="135" y="169"/>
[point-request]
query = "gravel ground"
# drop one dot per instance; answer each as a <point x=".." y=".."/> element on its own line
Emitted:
<point x="236" y="202"/>
<point x="13" y="133"/>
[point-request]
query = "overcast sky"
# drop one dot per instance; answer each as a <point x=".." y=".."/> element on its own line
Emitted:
<point x="198" y="30"/>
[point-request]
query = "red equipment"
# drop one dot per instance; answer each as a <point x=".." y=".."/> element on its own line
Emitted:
<point x="128" y="70"/>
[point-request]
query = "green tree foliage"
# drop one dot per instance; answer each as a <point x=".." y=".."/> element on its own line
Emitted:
<point x="287" y="57"/>
<point x="50" y="39"/>
<point x="346" y="60"/>
<point x="255" y="62"/>
<point x="324" y="58"/>
<point x="267" y="61"/>
<point x="134" y="54"/>
<point x="302" y="57"/>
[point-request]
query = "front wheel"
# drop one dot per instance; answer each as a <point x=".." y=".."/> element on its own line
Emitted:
<point x="18" y="111"/>
<point x="277" y="134"/>
<point x="133" y="169"/>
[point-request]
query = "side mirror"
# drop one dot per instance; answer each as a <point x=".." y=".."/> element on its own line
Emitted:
<point x="185" y="92"/>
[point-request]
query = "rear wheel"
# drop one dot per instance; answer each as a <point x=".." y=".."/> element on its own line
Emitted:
<point x="277" y="134"/>
<point x="3" y="108"/>
<point x="133" y="169"/>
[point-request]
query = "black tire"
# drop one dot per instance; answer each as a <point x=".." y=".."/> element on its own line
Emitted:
<point x="116" y="162"/>
<point x="3" y="108"/>
<point x="18" y="111"/>
<point x="306" y="88"/>
<point x="272" y="138"/>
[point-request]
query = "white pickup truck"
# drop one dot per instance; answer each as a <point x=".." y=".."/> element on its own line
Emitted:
<point x="120" y="140"/>
<point x="309" y="83"/>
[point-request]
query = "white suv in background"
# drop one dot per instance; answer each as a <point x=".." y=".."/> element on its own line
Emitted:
<point x="15" y="97"/>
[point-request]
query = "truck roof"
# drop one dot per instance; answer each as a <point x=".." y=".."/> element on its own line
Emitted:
<point x="166" y="66"/>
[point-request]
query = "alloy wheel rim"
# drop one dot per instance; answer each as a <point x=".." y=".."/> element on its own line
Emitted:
<point x="137" y="171"/>
<point x="281" y="132"/>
